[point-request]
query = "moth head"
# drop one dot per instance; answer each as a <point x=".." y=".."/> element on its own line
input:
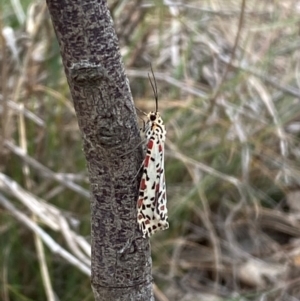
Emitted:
<point x="154" y="116"/>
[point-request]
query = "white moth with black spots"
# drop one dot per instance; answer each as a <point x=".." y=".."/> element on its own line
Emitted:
<point x="152" y="213"/>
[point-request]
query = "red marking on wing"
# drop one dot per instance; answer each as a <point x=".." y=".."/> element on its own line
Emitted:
<point x="150" y="144"/>
<point x="160" y="148"/>
<point x="147" y="222"/>
<point x="140" y="203"/>
<point x="147" y="159"/>
<point x="143" y="184"/>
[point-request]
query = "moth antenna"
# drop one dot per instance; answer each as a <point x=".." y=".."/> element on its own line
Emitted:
<point x="154" y="88"/>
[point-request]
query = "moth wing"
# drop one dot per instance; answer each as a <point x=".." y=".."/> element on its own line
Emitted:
<point x="161" y="211"/>
<point x="146" y="201"/>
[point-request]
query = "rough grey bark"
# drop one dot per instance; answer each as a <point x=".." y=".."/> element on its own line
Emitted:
<point x="121" y="260"/>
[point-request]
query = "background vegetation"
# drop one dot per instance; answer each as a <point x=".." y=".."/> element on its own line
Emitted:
<point x="229" y="87"/>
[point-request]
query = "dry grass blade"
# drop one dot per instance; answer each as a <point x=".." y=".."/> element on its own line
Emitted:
<point x="175" y="154"/>
<point x="44" y="171"/>
<point x="44" y="268"/>
<point x="47" y="239"/>
<point x="21" y="110"/>
<point x="47" y="214"/>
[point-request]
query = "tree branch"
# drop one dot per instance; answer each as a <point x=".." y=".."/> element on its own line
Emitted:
<point x="121" y="261"/>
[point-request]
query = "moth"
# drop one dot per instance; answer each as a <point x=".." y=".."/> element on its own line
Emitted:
<point x="152" y="213"/>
